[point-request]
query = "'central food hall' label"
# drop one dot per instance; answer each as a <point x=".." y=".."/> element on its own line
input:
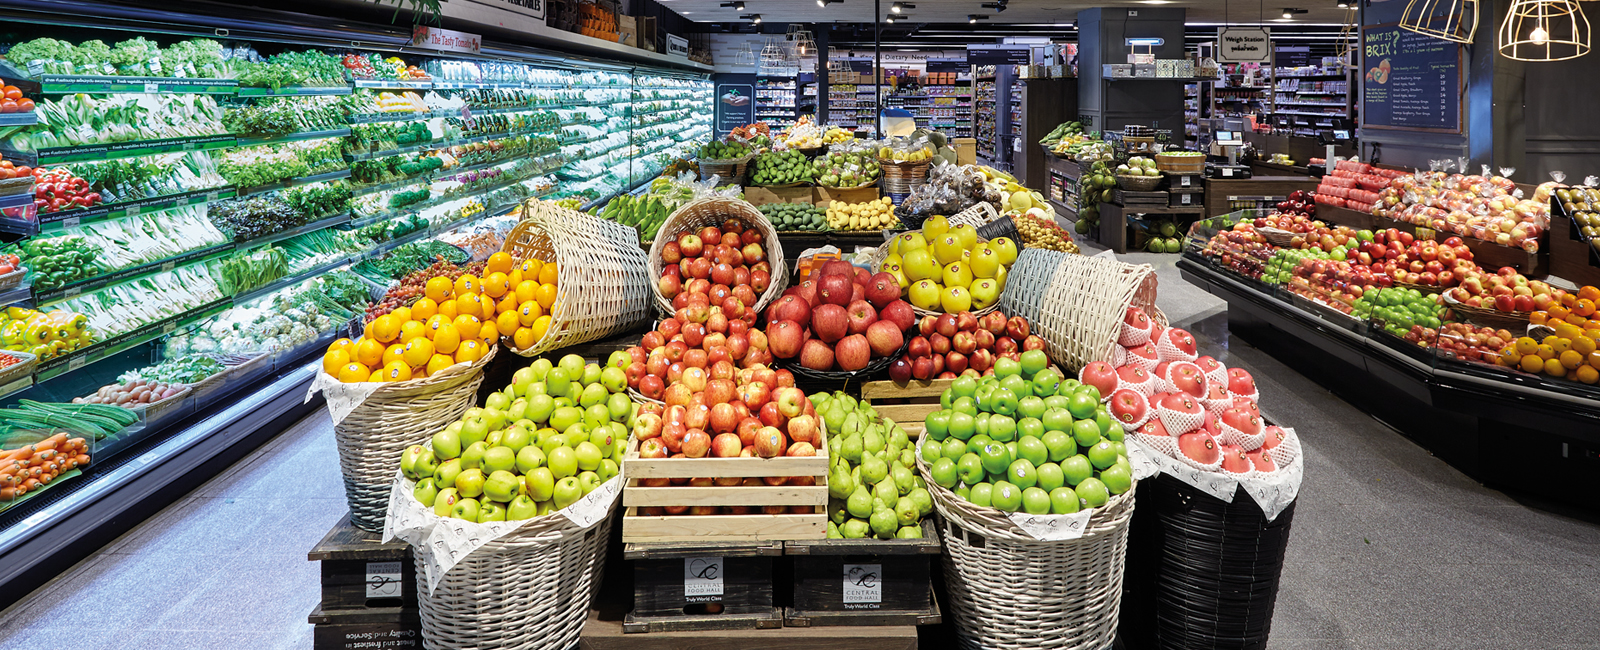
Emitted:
<point x="702" y="579"/>
<point x="863" y="586"/>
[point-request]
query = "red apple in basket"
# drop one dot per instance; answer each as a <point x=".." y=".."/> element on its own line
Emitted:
<point x="853" y="352"/>
<point x="884" y="337"/>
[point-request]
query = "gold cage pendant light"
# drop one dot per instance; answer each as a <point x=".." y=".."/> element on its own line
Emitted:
<point x="1544" y="30"/>
<point x="1451" y="20"/>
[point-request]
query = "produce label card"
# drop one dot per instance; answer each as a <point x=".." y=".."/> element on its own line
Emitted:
<point x="863" y="586"/>
<point x="383" y="579"/>
<point x="702" y="579"/>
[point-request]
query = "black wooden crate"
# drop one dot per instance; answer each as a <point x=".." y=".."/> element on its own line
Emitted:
<point x="732" y="586"/>
<point x="379" y="627"/>
<point x="1132" y="198"/>
<point x="1186" y="182"/>
<point x="359" y="571"/>
<point x="1194" y="199"/>
<point x="887" y="580"/>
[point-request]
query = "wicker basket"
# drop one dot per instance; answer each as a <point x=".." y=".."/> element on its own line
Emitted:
<point x="731" y="172"/>
<point x="910" y="171"/>
<point x="156" y="411"/>
<point x="1180" y="164"/>
<point x="529" y="589"/>
<point x="604" y="275"/>
<point x="1011" y="591"/>
<point x="713" y="212"/>
<point x="883" y="253"/>
<point x="1492" y="317"/>
<point x="1076" y="303"/>
<point x="874" y="367"/>
<point x="394" y="417"/>
<point x="13" y="279"/>
<point x="979" y="214"/>
<point x="1138" y="183"/>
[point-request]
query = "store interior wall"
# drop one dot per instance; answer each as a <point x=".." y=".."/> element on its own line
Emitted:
<point x="1101" y="34"/>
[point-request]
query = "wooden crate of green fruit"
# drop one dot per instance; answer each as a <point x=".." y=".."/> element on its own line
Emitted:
<point x="909" y="404"/>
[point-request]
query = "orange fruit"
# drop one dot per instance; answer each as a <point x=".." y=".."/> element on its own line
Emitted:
<point x="412" y="329"/>
<point x="469" y="305"/>
<point x="527" y="290"/>
<point x="392" y="353"/>
<point x="530" y="269"/>
<point x="515" y="277"/>
<point x="506" y="304"/>
<point x="1538" y="318"/>
<point x="334" y="359"/>
<point x="1526" y="346"/>
<point x="354" y="373"/>
<point x="1589" y="293"/>
<point x="496" y="285"/>
<point x="1594" y="360"/>
<point x="540" y="327"/>
<point x="508" y="321"/>
<point x="471" y="350"/>
<point x="418" y="352"/>
<point x="1574" y="319"/>
<point x="1567" y="299"/>
<point x="546" y="296"/>
<point x="500" y="262"/>
<point x="446" y="339"/>
<point x="1554" y="368"/>
<point x="467" y="326"/>
<point x="1561" y="345"/>
<point x="402" y="314"/>
<point x="1583" y="345"/>
<point x="376" y="377"/>
<point x="386" y="328"/>
<point x="347" y="345"/>
<point x="548" y="274"/>
<point x="1565" y="330"/>
<point x="489" y="332"/>
<point x="369" y="352"/>
<point x="1510" y="358"/>
<point x="1545" y="351"/>
<point x="1571" y="359"/>
<point x="447" y="309"/>
<point x="1584" y="307"/>
<point x="434" y="323"/>
<point x="396" y="370"/>
<point x="529" y="311"/>
<point x="1532" y="363"/>
<point x="523" y="338"/>
<point x="1559" y="312"/>
<point x="437" y="289"/>
<point x="424" y="309"/>
<point x="1588" y="375"/>
<point x="439" y="362"/>
<point x="366" y="330"/>
<point x="467" y="283"/>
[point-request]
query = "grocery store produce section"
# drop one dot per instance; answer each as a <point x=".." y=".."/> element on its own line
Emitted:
<point x="185" y="213"/>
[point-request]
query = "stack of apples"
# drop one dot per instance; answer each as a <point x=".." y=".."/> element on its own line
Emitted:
<point x="715" y="270"/>
<point x="964" y="345"/>
<point x="1505" y="290"/>
<point x="696" y="337"/>
<point x="840" y="319"/>
<point x="1406" y="259"/>
<point x="1159" y="386"/>
<point x="945" y="268"/>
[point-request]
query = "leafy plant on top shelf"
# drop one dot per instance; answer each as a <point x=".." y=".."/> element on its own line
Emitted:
<point x="198" y="58"/>
<point x="308" y="69"/>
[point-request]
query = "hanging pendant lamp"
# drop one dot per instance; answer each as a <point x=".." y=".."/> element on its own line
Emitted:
<point x="1451" y="20"/>
<point x="1349" y="40"/>
<point x="1544" y="30"/>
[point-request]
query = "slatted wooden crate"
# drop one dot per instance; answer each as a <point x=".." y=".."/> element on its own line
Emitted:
<point x="907" y="405"/>
<point x="863" y="581"/>
<point x="702" y="586"/>
<point x="381" y="627"/>
<point x="369" y="591"/>
<point x="807" y="517"/>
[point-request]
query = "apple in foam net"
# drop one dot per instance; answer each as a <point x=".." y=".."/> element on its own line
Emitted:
<point x="1240" y="382"/>
<point x="1275" y="436"/>
<point x="1135" y="378"/>
<point x="1242" y="420"/>
<point x="1181" y="340"/>
<point x="1186" y="377"/>
<point x="1261" y="461"/>
<point x="1233" y="459"/>
<point x="1154" y="427"/>
<point x="1100" y="375"/>
<point x="1128" y="406"/>
<point x="1199" y="446"/>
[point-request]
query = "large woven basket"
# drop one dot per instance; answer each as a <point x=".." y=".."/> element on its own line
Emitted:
<point x="714" y="211"/>
<point x="1138" y="183"/>
<point x="913" y="171"/>
<point x="882" y="254"/>
<point x="604" y="277"/>
<point x="730" y="172"/>
<point x="1076" y="303"/>
<point x="529" y="589"/>
<point x="1011" y="591"/>
<point x="394" y="417"/>
<point x="979" y="214"/>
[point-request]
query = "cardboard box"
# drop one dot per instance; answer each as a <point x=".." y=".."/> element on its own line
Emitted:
<point x="966" y="150"/>
<point x="628" y="31"/>
<point x="826" y="196"/>
<point x="759" y="196"/>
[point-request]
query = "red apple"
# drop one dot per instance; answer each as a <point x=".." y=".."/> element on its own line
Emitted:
<point x="939" y="344"/>
<point x="927" y="325"/>
<point x="790" y="400"/>
<point x="1242" y="420"/>
<point x="900" y="313"/>
<point x="964" y="342"/>
<point x="955" y="363"/>
<point x="1017" y="328"/>
<point x="785" y="338"/>
<point x="853" y="352"/>
<point x="652" y="386"/>
<point x="1261" y="461"/>
<point x="1128" y="406"/>
<point x="696" y="443"/>
<point x="1240" y="382"/>
<point x="721" y="391"/>
<point x="671" y="253"/>
<point x="862" y="315"/>
<point x="1233" y="459"/>
<point x="984" y="339"/>
<point x="922" y="368"/>
<point x="884" y="337"/>
<point x="804" y="428"/>
<point x="770" y="442"/>
<point x="882" y="289"/>
<point x="995" y="322"/>
<point x="945" y="325"/>
<point x="1200" y="447"/>
<point x="830" y="322"/>
<point x="900" y="371"/>
<point x="653" y="448"/>
<point x="966" y="322"/>
<point x="1100" y="375"/>
<point x="669" y="286"/>
<point x="835" y="289"/>
<point x="1186" y="377"/>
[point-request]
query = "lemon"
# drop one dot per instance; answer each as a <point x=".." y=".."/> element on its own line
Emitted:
<point x="446" y="339"/>
<point x="439" y="362"/>
<point x="500" y="262"/>
<point x="334" y="359"/>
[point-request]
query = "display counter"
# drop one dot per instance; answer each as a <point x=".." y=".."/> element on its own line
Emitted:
<point x="1224" y="195"/>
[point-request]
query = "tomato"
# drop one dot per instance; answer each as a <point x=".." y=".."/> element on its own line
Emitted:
<point x="24" y="170"/>
<point x="7" y="173"/>
<point x="25" y="105"/>
<point x="8" y="106"/>
<point x="13" y="93"/>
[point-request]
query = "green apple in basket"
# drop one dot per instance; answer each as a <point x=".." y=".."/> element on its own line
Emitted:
<point x="489" y="466"/>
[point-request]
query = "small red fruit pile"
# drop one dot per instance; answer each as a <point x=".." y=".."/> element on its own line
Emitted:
<point x="841" y="319"/>
<point x="715" y="268"/>
<point x="1183" y="403"/>
<point x="1505" y="290"/>
<point x="962" y="344"/>
<point x="713" y="345"/>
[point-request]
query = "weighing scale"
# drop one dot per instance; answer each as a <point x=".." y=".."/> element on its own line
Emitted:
<point x="1230" y="141"/>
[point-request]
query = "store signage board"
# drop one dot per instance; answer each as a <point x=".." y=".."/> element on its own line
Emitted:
<point x="948" y="65"/>
<point x="1244" y="45"/>
<point x="677" y="45"/>
<point x="736" y="106"/>
<point x="702" y="579"/>
<point x="1410" y="81"/>
<point x="445" y="40"/>
<point x="863" y="586"/>
<point x="998" y="55"/>
<point x="529" y="8"/>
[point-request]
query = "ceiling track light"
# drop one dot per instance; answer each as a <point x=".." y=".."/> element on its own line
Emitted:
<point x="899" y="7"/>
<point x="754" y="18"/>
<point x="1289" y="12"/>
<point x="996" y="6"/>
<point x="1344" y="4"/>
<point x="974" y="18"/>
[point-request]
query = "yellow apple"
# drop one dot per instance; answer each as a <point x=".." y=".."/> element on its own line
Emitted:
<point x="985" y="262"/>
<point x="967" y="234"/>
<point x="935" y="227"/>
<point x="1006" y="248"/>
<point x="947" y="249"/>
<point x="985" y="291"/>
<point x="920" y="265"/>
<point x="924" y="294"/>
<point x="955" y="299"/>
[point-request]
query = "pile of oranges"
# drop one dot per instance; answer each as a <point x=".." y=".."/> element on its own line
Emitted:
<point x="454" y="322"/>
<point x="1573" y="351"/>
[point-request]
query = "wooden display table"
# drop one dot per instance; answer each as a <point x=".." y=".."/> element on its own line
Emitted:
<point x="1114" y="221"/>
<point x="1224" y="195"/>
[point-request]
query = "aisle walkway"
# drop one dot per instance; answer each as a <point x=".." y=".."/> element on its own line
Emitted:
<point x="1391" y="548"/>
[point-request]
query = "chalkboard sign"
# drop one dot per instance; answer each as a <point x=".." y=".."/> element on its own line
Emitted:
<point x="1293" y="56"/>
<point x="735" y="105"/>
<point x="1409" y="81"/>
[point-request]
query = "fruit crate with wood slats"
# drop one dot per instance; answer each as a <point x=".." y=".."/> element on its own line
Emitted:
<point x="748" y="509"/>
<point x="863" y="581"/>
<point x="703" y="586"/>
<point x="907" y="405"/>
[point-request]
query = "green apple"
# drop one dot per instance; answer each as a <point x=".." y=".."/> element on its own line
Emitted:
<point x="425" y="491"/>
<point x="1092" y="493"/>
<point x="563" y="462"/>
<point x="498" y="459"/>
<point x="501" y="486"/>
<point x="518" y="410"/>
<point x="975" y="444"/>
<point x="613" y="379"/>
<point x="982" y="495"/>
<point x="603" y="440"/>
<point x="445" y="502"/>
<point x="1086" y="433"/>
<point x="469" y="483"/>
<point x="572" y="364"/>
<point x="1033" y="361"/>
<point x="541" y="368"/>
<point x="447" y="473"/>
<point x="494" y="438"/>
<point x="1059" y="445"/>
<point x="970" y="466"/>
<point x="1006" y="497"/>
<point x="953" y="448"/>
<point x="1030" y="428"/>
<point x="473" y="456"/>
<point x="466" y="508"/>
<point x="1002" y="428"/>
<point x="596" y="415"/>
<point x="522" y="507"/>
<point x="1003" y="402"/>
<point x="541" y="484"/>
<point x="1034" y="450"/>
<point x="495" y="418"/>
<point x="1077" y="469"/>
<point x="1018" y="385"/>
<point x="517" y="437"/>
<point x="1102" y="455"/>
<point x="474" y="428"/>
<point x="619" y="359"/>
<point x="1056" y="402"/>
<point x="944" y="473"/>
<point x="564" y="417"/>
<point x="1051" y="477"/>
<point x="539" y="388"/>
<point x="1083" y="403"/>
<point x="1117" y="478"/>
<point x="1022" y="474"/>
<point x="588" y="481"/>
<point x="447" y="443"/>
<point x="996" y="457"/>
<point x="546" y="507"/>
<point x="558" y="381"/>
<point x="981" y="424"/>
<point x="937" y="423"/>
<point x="1046" y="382"/>
<point x="540" y="407"/>
<point x="521" y="380"/>
<point x="932" y="450"/>
<point x="966" y="403"/>
<point x="608" y="469"/>
<point x="529" y="459"/>
<point x="593" y="394"/>
<point x="1058" y="419"/>
<point x="498" y="401"/>
<point x="591" y="374"/>
<point x="619" y="406"/>
<point x="1035" y="501"/>
<point x="1031" y="406"/>
<point x="1006" y="367"/>
<point x="588" y="456"/>
<point x="552" y="440"/>
<point x="567" y="492"/>
<point x="1063" y="501"/>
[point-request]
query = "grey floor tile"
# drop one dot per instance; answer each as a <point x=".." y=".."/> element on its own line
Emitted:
<point x="82" y="638"/>
<point x="272" y="589"/>
<point x="197" y="640"/>
<point x="119" y="592"/>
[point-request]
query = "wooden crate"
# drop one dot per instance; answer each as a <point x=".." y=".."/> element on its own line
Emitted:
<point x="888" y="581"/>
<point x="391" y="627"/>
<point x="826" y="195"/>
<point x="724" y="527"/>
<point x="360" y="572"/>
<point x="907" y="405"/>
<point x="702" y="586"/>
<point x="1131" y="198"/>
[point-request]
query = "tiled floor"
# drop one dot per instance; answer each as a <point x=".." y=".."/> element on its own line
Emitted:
<point x="1391" y="548"/>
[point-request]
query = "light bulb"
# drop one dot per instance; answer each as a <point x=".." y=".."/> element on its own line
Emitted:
<point x="972" y="19"/>
<point x="1287" y="14"/>
<point x="895" y="8"/>
<point x="1539" y="36"/>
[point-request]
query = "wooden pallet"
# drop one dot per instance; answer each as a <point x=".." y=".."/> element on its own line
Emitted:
<point x="758" y="526"/>
<point x="930" y="615"/>
<point x="863" y="581"/>
<point x="702" y="586"/>
<point x="907" y="405"/>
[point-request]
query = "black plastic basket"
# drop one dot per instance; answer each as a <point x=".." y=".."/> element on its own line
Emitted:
<point x="874" y="367"/>
<point x="1002" y="227"/>
<point x="1201" y="573"/>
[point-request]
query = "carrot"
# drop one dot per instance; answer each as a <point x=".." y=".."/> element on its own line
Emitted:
<point x="83" y="460"/>
<point x="20" y="453"/>
<point x="30" y="485"/>
<point x="8" y="493"/>
<point x="47" y="455"/>
<point x="46" y="478"/>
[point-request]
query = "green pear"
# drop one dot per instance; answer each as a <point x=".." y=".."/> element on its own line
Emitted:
<point x="873" y="469"/>
<point x="837" y="513"/>
<point x="501" y="486"/>
<point x="897" y="436"/>
<point x="521" y="508"/>
<point x="425" y="492"/>
<point x="860" y="503"/>
<point x="850" y="447"/>
<point x="908" y="458"/>
<point x="887" y="491"/>
<point x="447" y="473"/>
<point x="472" y="457"/>
<point x="884" y="523"/>
<point x="833" y="531"/>
<point x="819" y="399"/>
<point x="904" y="480"/>
<point x="906" y="512"/>
<point x="447" y="443"/>
<point x="872" y="441"/>
<point x="840" y="485"/>
<point x="491" y="511"/>
<point x="855" y="529"/>
<point x="923" y="500"/>
<point x="465" y="509"/>
<point x="909" y="532"/>
<point x="445" y="502"/>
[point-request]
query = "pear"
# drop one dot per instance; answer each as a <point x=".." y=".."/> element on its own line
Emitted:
<point x="850" y="447"/>
<point x="906" y="512"/>
<point x="884" y="523"/>
<point x="855" y="529"/>
<point x="923" y="500"/>
<point x="909" y="532"/>
<point x="887" y="492"/>
<point x="903" y="479"/>
<point x="859" y="504"/>
<point x="872" y="441"/>
<point x="840" y="485"/>
<point x="833" y="531"/>
<point x="837" y="512"/>
<point x="873" y="470"/>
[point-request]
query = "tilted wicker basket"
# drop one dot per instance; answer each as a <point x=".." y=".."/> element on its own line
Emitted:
<point x="1076" y="303"/>
<point x="714" y="211"/>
